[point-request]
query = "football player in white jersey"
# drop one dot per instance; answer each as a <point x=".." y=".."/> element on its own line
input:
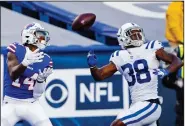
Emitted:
<point x="138" y="62"/>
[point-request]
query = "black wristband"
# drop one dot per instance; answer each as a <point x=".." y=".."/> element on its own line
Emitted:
<point x="40" y="81"/>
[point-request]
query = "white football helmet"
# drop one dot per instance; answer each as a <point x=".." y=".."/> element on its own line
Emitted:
<point x="35" y="34"/>
<point x="125" y="35"/>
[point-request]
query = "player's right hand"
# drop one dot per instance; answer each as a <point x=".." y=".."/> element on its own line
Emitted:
<point x="32" y="57"/>
<point x="43" y="75"/>
<point x="160" y="72"/>
<point x="91" y="59"/>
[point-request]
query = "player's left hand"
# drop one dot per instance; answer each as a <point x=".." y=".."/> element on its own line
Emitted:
<point x="160" y="72"/>
<point x="43" y="75"/>
<point x="91" y="59"/>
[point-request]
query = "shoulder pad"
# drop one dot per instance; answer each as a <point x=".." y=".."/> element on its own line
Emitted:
<point x="116" y="53"/>
<point x="154" y="44"/>
<point x="48" y="60"/>
<point x="14" y="47"/>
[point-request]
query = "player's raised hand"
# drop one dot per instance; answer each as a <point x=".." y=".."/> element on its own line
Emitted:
<point x="160" y="72"/>
<point x="91" y="59"/>
<point x="43" y="75"/>
<point x="32" y="57"/>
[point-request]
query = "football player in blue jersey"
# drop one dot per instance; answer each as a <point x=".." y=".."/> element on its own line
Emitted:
<point x="138" y="62"/>
<point x="24" y="82"/>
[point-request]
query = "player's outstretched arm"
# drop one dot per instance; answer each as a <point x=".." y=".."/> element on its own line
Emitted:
<point x="100" y="73"/>
<point x="15" y="69"/>
<point x="40" y="85"/>
<point x="174" y="61"/>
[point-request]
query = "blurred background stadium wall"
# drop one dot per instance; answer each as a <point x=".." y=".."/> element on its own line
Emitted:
<point x="72" y="97"/>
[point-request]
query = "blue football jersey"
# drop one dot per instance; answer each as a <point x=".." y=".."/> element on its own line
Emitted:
<point x="22" y="87"/>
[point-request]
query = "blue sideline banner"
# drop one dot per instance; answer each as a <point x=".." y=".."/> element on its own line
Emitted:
<point x="74" y="93"/>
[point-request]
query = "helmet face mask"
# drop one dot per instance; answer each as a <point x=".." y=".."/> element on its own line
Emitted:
<point x="134" y="34"/>
<point x="42" y="38"/>
<point x="130" y="34"/>
<point x="35" y="34"/>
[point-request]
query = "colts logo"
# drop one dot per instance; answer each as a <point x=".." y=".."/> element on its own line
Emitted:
<point x="56" y="93"/>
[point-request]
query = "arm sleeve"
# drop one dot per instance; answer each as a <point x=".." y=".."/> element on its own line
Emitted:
<point x="15" y="48"/>
<point x="12" y="48"/>
<point x="175" y="21"/>
<point x="48" y="61"/>
<point x="38" y="89"/>
<point x="154" y="45"/>
<point x="157" y="45"/>
<point x="116" y="59"/>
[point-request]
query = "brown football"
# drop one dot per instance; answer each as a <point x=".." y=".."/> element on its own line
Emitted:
<point x="83" y="21"/>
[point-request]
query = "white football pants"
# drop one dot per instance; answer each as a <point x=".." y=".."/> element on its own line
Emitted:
<point x="141" y="114"/>
<point x="14" y="110"/>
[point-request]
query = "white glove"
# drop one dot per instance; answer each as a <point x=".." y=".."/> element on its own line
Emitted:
<point x="43" y="75"/>
<point x="32" y="57"/>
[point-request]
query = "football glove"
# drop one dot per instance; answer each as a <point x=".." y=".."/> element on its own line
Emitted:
<point x="91" y="59"/>
<point x="32" y="57"/>
<point x="160" y="72"/>
<point x="43" y="75"/>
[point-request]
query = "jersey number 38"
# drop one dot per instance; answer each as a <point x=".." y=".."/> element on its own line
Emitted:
<point x="142" y="70"/>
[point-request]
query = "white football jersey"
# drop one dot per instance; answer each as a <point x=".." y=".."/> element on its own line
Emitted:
<point x="136" y="65"/>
